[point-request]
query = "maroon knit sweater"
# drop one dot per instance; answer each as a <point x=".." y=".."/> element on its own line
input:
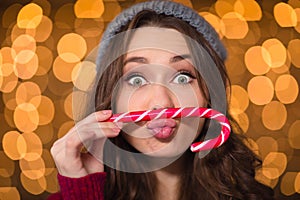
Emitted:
<point x="90" y="187"/>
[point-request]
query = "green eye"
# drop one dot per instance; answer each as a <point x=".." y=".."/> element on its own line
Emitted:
<point x="183" y="78"/>
<point x="136" y="80"/>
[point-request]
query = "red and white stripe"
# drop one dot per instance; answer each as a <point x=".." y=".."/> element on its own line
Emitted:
<point x="148" y="115"/>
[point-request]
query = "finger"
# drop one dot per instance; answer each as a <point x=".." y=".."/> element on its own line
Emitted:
<point x="96" y="117"/>
<point x="87" y="135"/>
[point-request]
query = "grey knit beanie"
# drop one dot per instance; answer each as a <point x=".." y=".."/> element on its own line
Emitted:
<point x="168" y="8"/>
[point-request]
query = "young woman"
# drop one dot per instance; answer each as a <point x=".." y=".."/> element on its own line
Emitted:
<point x="156" y="55"/>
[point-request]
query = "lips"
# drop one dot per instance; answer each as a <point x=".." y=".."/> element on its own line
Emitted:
<point x="162" y="128"/>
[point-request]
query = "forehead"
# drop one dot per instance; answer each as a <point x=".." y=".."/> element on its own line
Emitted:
<point x="164" y="39"/>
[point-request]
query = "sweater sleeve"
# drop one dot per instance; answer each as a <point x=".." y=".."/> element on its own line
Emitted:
<point x="90" y="187"/>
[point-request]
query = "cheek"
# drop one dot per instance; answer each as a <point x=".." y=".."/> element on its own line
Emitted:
<point x="138" y="100"/>
<point x="129" y="100"/>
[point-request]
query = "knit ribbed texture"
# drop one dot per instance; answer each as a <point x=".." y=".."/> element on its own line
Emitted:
<point x="168" y="8"/>
<point x="90" y="187"/>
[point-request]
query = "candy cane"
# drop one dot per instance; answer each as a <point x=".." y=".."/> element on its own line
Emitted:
<point x="148" y="115"/>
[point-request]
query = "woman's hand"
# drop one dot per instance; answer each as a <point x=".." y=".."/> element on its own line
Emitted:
<point x="91" y="133"/>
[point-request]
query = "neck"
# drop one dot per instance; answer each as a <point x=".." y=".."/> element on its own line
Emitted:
<point x="169" y="179"/>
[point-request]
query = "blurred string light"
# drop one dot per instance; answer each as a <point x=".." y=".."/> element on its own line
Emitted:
<point x="42" y="58"/>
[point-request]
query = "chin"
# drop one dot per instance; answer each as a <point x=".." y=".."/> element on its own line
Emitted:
<point x="166" y="151"/>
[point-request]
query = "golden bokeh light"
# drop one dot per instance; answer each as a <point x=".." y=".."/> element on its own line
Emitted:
<point x="297" y="183"/>
<point x="68" y="105"/>
<point x="26" y="91"/>
<point x="63" y="70"/>
<point x="45" y="56"/>
<point x="239" y="100"/>
<point x="10" y="15"/>
<point x="83" y="75"/>
<point x="49" y="162"/>
<point x="284" y="146"/>
<point x="43" y="30"/>
<point x="33" y="186"/>
<point x="223" y="7"/>
<point x="33" y="169"/>
<point x="285" y="15"/>
<point x="71" y="47"/>
<point x="9" y="117"/>
<point x="65" y="17"/>
<point x="294" y="51"/>
<point x="7" y="166"/>
<point x="287" y="183"/>
<point x="34" y="147"/>
<point x="243" y="120"/>
<point x="45" y="5"/>
<point x="215" y="21"/>
<point x="26" y="70"/>
<point x="260" y="90"/>
<point x="89" y="28"/>
<point x="45" y="133"/>
<point x="42" y="81"/>
<point x="274" y="165"/>
<point x="259" y="176"/>
<point x="274" y="115"/>
<point x="10" y="100"/>
<point x="5" y="182"/>
<point x="235" y="26"/>
<point x="8" y="193"/>
<point x="55" y="85"/>
<point x="17" y="31"/>
<point x="26" y="117"/>
<point x="52" y="183"/>
<point x="65" y="127"/>
<point x="286" y="89"/>
<point x="24" y="56"/>
<point x="277" y="51"/>
<point x="294" y="3"/>
<point x="297" y="27"/>
<point x="30" y="16"/>
<point x="89" y="9"/>
<point x="8" y="83"/>
<point x="294" y="135"/>
<point x="187" y="3"/>
<point x="1" y="79"/>
<point x="249" y="9"/>
<point x="257" y="60"/>
<point x="14" y="145"/>
<point x="7" y="61"/>
<point x="24" y="42"/>
<point x="253" y="35"/>
<point x="264" y="149"/>
<point x="285" y="67"/>
<point x="112" y="9"/>
<point x="252" y="145"/>
<point x="45" y="108"/>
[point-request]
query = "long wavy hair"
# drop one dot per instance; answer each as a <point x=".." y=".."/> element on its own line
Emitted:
<point x="227" y="172"/>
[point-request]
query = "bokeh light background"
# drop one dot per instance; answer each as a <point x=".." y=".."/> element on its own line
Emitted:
<point x="43" y="46"/>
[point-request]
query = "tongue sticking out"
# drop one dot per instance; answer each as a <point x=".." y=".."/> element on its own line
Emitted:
<point x="162" y="128"/>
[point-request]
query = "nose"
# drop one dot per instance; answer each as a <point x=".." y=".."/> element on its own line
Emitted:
<point x="160" y="96"/>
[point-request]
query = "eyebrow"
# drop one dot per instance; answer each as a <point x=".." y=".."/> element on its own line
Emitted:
<point x="144" y="60"/>
<point x="179" y="58"/>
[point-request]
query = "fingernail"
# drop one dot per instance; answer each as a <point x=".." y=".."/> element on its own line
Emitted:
<point x="106" y="112"/>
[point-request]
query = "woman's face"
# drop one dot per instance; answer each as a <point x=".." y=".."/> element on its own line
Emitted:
<point x="158" y="73"/>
